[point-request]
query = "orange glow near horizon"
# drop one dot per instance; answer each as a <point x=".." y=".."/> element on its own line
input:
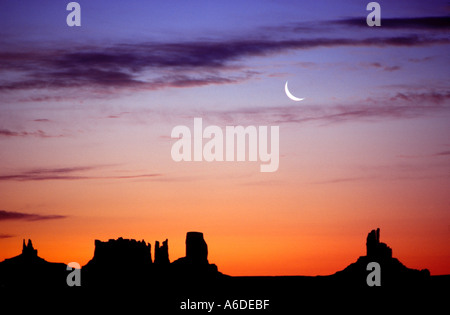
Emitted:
<point x="86" y="116"/>
<point x="251" y="227"/>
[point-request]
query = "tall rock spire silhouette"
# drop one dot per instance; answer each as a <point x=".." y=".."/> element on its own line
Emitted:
<point x="28" y="249"/>
<point x="376" y="249"/>
<point x="162" y="253"/>
<point x="393" y="272"/>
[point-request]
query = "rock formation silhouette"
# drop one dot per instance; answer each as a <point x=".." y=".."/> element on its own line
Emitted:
<point x="196" y="248"/>
<point x="393" y="272"/>
<point x="195" y="263"/>
<point x="30" y="270"/>
<point x="127" y="263"/>
<point x="376" y="249"/>
<point x="28" y="256"/>
<point x="118" y="262"/>
<point x="162" y="253"/>
<point x="28" y="250"/>
<point x="122" y="252"/>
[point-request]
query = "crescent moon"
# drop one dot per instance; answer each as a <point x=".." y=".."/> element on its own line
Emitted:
<point x="289" y="94"/>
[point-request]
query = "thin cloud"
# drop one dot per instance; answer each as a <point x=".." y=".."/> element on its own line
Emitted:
<point x="438" y="154"/>
<point x="11" y="215"/>
<point x="378" y="65"/>
<point x="67" y="173"/>
<point x="38" y="133"/>
<point x="442" y="153"/>
<point x="402" y="105"/>
<point x="114" y="116"/>
<point x="2" y="236"/>
<point x="429" y="97"/>
<point x="42" y="120"/>
<point x="432" y="23"/>
<point x="340" y="180"/>
<point x="419" y="60"/>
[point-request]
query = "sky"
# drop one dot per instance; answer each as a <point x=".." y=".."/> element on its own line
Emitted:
<point x="86" y="115"/>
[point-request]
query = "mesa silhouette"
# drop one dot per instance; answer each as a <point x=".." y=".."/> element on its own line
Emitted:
<point x="127" y="263"/>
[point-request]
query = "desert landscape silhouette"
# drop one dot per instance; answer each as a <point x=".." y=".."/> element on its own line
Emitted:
<point x="127" y="265"/>
<point x="119" y="262"/>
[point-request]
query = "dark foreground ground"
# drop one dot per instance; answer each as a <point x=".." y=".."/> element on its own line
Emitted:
<point x="237" y="295"/>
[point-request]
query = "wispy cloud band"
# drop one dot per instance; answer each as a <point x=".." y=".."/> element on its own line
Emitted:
<point x="67" y="173"/>
<point x="402" y="105"/>
<point x="170" y="64"/>
<point x="12" y="215"/>
<point x="411" y="23"/>
<point x="38" y="133"/>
